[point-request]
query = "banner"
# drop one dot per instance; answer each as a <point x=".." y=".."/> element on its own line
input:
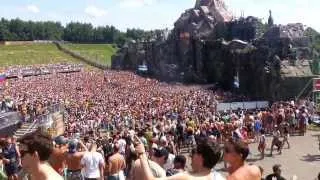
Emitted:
<point x="242" y="105"/>
<point x="223" y="106"/>
<point x="316" y="84"/>
<point x="262" y="104"/>
<point x="250" y="105"/>
<point x="2" y="78"/>
<point x="236" y="105"/>
<point x="317" y="100"/>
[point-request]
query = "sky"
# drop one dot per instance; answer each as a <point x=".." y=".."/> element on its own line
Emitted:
<point x="152" y="14"/>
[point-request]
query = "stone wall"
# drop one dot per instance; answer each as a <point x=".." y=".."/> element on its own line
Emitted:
<point x="205" y="49"/>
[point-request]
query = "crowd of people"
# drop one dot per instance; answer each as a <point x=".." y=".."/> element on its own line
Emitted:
<point x="119" y="125"/>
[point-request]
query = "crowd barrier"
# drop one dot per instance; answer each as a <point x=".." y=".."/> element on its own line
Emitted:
<point x="43" y="70"/>
<point x="242" y="105"/>
<point x="51" y="122"/>
<point x="45" y="118"/>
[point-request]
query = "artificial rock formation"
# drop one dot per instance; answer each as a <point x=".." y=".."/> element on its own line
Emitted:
<point x="202" y="20"/>
<point x="209" y="45"/>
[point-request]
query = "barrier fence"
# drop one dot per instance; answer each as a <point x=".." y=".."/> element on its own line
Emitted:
<point x="45" y="118"/>
<point x="242" y="105"/>
<point x="43" y="70"/>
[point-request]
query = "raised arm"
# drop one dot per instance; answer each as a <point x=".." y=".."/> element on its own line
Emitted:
<point x="18" y="154"/>
<point x="83" y="147"/>
<point x="147" y="171"/>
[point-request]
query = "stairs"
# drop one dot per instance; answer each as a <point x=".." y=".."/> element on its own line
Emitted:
<point x="25" y="128"/>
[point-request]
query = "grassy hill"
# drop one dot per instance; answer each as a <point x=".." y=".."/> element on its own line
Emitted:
<point x="98" y="52"/>
<point x="11" y="55"/>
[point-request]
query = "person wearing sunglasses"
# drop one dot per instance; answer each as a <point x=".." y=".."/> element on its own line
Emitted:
<point x="235" y="154"/>
<point x="35" y="149"/>
<point x="204" y="158"/>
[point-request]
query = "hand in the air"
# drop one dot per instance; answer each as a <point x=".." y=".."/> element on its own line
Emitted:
<point x="139" y="147"/>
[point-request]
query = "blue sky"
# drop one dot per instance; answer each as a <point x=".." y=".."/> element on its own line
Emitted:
<point x="152" y="14"/>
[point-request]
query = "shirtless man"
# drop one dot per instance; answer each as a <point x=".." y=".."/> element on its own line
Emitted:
<point x="235" y="154"/>
<point x="57" y="160"/>
<point x="35" y="149"/>
<point x="116" y="164"/>
<point x="276" y="140"/>
<point x="73" y="160"/>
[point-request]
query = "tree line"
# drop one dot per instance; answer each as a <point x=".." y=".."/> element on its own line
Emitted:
<point x="19" y="30"/>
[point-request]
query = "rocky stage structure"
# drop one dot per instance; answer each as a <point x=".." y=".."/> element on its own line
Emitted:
<point x="209" y="45"/>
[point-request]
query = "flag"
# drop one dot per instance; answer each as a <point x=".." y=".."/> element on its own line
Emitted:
<point x="2" y="78"/>
<point x="236" y="81"/>
<point x="316" y="84"/>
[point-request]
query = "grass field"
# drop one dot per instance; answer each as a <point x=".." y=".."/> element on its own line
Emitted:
<point x="99" y="52"/>
<point x="32" y="54"/>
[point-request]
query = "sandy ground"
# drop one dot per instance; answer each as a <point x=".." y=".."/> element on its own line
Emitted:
<point x="302" y="159"/>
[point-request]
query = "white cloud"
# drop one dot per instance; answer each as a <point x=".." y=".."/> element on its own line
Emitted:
<point x="136" y="3"/>
<point x="32" y="8"/>
<point x="95" y="12"/>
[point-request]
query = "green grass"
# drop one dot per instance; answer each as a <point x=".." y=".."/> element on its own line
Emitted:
<point x="32" y="54"/>
<point x="98" y="52"/>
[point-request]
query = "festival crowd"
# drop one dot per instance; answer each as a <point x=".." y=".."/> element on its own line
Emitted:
<point x="122" y="126"/>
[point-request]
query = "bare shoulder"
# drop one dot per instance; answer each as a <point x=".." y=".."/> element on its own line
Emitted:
<point x="246" y="172"/>
<point x="80" y="154"/>
<point x="179" y="176"/>
<point x="254" y="172"/>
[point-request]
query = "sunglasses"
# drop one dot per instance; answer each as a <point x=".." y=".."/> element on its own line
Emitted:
<point x="23" y="153"/>
<point x="23" y="149"/>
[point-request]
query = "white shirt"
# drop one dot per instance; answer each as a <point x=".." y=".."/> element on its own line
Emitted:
<point x="122" y="146"/>
<point x="169" y="164"/>
<point x="91" y="162"/>
<point x="276" y="133"/>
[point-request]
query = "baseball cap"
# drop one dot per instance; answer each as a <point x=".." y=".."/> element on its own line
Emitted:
<point x="72" y="146"/>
